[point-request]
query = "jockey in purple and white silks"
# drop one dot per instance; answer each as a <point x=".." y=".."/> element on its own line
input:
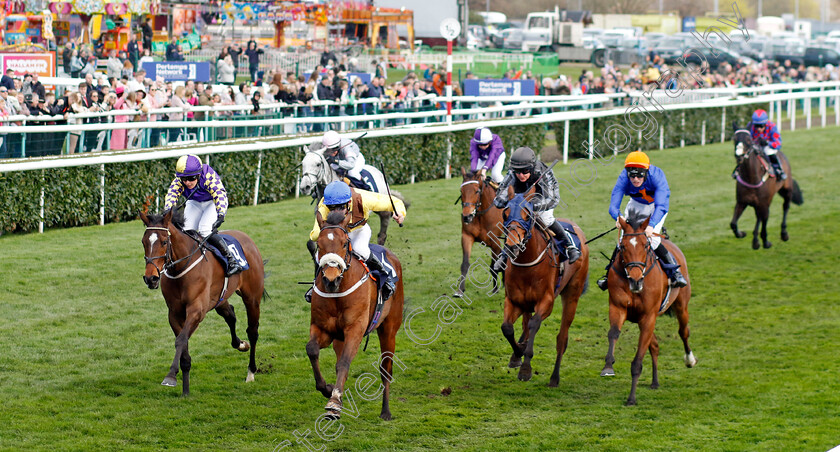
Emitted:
<point x="206" y="205"/>
<point x="487" y="153"/>
<point x="650" y="195"/>
<point x="766" y="135"/>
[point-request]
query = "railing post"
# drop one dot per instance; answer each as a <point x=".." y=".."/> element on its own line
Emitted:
<point x="682" y="122"/>
<point x="723" y="126"/>
<point x="591" y="136"/>
<point x="257" y="182"/>
<point x="823" y="109"/>
<point x="807" y="105"/>
<point x="703" y="134"/>
<point x="41" y="204"/>
<point x="837" y="111"/>
<point x="793" y="119"/>
<point x="102" y="195"/>
<point x="446" y="170"/>
<point x="661" y="137"/>
<point x="566" y="142"/>
<point x="23" y="141"/>
<point x="779" y="114"/>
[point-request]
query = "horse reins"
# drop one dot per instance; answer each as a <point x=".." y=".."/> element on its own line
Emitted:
<point x="167" y="256"/>
<point x="643" y="265"/>
<point x="746" y="156"/>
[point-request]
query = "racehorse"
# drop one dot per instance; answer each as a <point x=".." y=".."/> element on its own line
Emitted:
<point x="193" y="284"/>
<point x="317" y="174"/>
<point x="481" y="222"/>
<point x="756" y="188"/>
<point x="344" y="311"/>
<point x="637" y="286"/>
<point x="533" y="278"/>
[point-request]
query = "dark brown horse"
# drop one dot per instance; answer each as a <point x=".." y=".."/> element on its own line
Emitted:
<point x="192" y="282"/>
<point x="755" y="187"/>
<point x="343" y="310"/>
<point x="481" y="222"/>
<point x="637" y="286"/>
<point x="534" y="277"/>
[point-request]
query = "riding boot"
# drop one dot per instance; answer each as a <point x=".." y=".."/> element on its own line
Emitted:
<point x="602" y="283"/>
<point x="499" y="264"/>
<point x="374" y="264"/>
<point x="667" y="258"/>
<point x="571" y="250"/>
<point x="233" y="264"/>
<point x="777" y="167"/>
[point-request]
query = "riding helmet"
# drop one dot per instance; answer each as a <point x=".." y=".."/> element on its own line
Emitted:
<point x="188" y="165"/>
<point x="337" y="193"/>
<point x="483" y="135"/>
<point x="331" y="139"/>
<point x="760" y="117"/>
<point x="637" y="159"/>
<point x="523" y="158"/>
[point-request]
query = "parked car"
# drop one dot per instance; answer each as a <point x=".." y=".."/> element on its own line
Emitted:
<point x="813" y="56"/>
<point x="669" y="49"/>
<point x="714" y="60"/>
<point x="512" y="38"/>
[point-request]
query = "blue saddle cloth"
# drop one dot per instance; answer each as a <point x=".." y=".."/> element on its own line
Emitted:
<point x="235" y="249"/>
<point x="560" y="242"/>
<point x="367" y="182"/>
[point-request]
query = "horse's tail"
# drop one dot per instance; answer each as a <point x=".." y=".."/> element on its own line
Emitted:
<point x="265" y="295"/>
<point x="585" y="284"/>
<point x="796" y="195"/>
<point x="402" y="198"/>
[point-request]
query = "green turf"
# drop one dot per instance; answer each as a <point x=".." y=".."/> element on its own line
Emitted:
<point x="86" y="344"/>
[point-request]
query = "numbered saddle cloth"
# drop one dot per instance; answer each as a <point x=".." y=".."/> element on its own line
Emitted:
<point x="381" y="253"/>
<point x="367" y="182"/>
<point x="235" y="249"/>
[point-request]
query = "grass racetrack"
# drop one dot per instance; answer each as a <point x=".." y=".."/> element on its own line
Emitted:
<point x="85" y="344"/>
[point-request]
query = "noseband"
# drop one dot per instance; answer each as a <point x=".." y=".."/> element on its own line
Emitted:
<point x="646" y="268"/>
<point x="347" y="256"/>
<point x="167" y="256"/>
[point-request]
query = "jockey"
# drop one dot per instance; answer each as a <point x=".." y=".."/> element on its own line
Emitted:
<point x="487" y="153"/>
<point x="525" y="169"/>
<point x="649" y="193"/>
<point x="358" y="204"/>
<point x="766" y="135"/>
<point x="206" y="204"/>
<point x="343" y="155"/>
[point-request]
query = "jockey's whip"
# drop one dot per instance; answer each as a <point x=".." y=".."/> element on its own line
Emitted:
<point x="387" y="186"/>
<point x="543" y="174"/>
<point x="600" y="235"/>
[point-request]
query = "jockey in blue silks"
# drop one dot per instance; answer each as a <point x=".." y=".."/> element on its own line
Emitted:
<point x="766" y="135"/>
<point x="648" y="190"/>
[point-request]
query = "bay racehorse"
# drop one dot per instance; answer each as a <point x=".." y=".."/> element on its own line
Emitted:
<point x="755" y="187"/>
<point x="534" y="276"/>
<point x="317" y="174"/>
<point x="343" y="312"/>
<point x="638" y="286"/>
<point x="193" y="283"/>
<point x="481" y="222"/>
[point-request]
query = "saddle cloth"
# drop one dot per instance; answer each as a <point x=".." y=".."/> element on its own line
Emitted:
<point x="560" y="242"/>
<point x="367" y="182"/>
<point x="235" y="249"/>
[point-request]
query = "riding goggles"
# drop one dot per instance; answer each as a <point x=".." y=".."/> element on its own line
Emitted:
<point x="636" y="172"/>
<point x="189" y="178"/>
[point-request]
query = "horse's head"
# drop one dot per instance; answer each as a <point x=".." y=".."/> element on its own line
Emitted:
<point x="470" y="195"/>
<point x="157" y="245"/>
<point x="519" y="222"/>
<point x="315" y="171"/>
<point x="333" y="249"/>
<point x="635" y="250"/>
<point x="742" y="140"/>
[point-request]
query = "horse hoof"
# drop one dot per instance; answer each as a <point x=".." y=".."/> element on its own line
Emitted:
<point x="630" y="402"/>
<point x="244" y="346"/>
<point x="333" y="415"/>
<point x="608" y="372"/>
<point x="767" y="245"/>
<point x="690" y="360"/>
<point x="554" y="382"/>
<point x="250" y="377"/>
<point x="740" y="234"/>
<point x="514" y="362"/>
<point x="458" y="294"/>
<point x="756" y="245"/>
<point x="654" y="386"/>
<point x="785" y="236"/>
<point x="524" y="374"/>
<point x="385" y="416"/>
<point x="169" y="381"/>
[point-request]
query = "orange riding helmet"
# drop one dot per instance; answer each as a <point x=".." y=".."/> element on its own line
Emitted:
<point x="637" y="159"/>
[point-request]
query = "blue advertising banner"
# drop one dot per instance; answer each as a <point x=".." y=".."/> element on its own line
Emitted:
<point x="173" y="71"/>
<point x="689" y="23"/>
<point x="499" y="87"/>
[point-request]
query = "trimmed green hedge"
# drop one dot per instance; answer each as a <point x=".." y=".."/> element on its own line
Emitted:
<point x="71" y="195"/>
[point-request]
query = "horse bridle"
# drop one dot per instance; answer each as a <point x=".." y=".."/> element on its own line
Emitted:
<point x="753" y="146"/>
<point x="347" y="255"/>
<point x="643" y="265"/>
<point x="476" y="205"/>
<point x="167" y="255"/>
<point x="321" y="174"/>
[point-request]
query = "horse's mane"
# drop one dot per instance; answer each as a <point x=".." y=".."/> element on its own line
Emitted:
<point x="469" y="175"/>
<point x="177" y="218"/>
<point x="335" y="218"/>
<point x="635" y="218"/>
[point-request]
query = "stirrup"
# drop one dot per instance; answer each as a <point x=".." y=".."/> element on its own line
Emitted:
<point x="602" y="283"/>
<point x="233" y="267"/>
<point x="388" y="290"/>
<point x="308" y="295"/>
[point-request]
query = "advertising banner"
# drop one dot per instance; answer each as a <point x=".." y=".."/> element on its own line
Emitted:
<point x="42" y="64"/>
<point x="173" y="71"/>
<point x="499" y="87"/>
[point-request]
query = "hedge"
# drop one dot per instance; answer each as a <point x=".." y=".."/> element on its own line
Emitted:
<point x="71" y="195"/>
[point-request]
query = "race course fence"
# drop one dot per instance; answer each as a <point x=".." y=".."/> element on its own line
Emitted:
<point x="95" y="188"/>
